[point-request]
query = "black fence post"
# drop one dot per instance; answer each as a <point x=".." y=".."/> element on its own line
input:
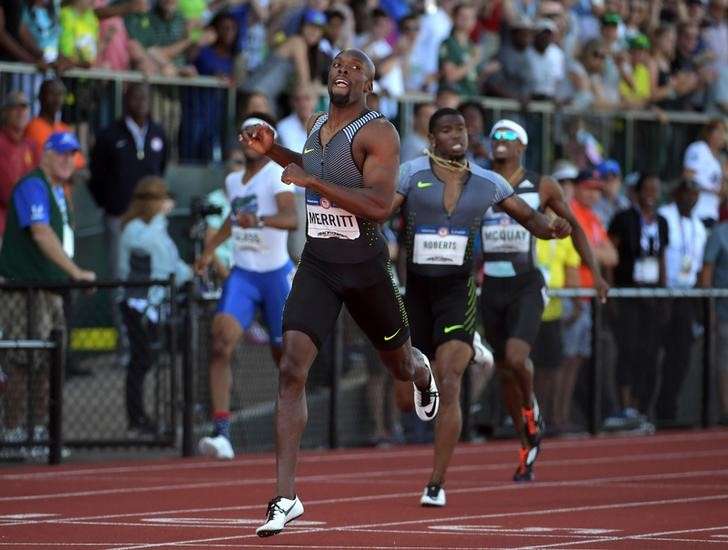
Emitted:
<point x="172" y="342"/>
<point x="336" y="368"/>
<point x="188" y="364"/>
<point x="55" y="397"/>
<point x="709" y="374"/>
<point x="465" y="404"/>
<point x="595" y="388"/>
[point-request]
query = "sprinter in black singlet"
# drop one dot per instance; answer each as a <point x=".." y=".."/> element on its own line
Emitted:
<point x="349" y="168"/>
<point x="443" y="198"/>
<point x="512" y="294"/>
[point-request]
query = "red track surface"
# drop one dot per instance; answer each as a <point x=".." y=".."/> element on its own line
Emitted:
<point x="664" y="491"/>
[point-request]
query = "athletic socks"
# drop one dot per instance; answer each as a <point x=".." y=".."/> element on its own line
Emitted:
<point x="221" y="422"/>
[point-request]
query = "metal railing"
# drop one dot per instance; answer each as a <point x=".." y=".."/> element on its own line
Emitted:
<point x="625" y="134"/>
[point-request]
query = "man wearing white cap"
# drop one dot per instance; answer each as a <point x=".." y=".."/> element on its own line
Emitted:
<point x="512" y="293"/>
<point x="263" y="210"/>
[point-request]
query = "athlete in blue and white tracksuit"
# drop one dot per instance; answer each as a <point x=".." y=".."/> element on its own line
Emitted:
<point x="262" y="212"/>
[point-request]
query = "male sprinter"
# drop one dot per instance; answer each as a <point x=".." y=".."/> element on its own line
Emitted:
<point x="263" y="210"/>
<point x="349" y="168"/>
<point x="511" y="298"/>
<point x="443" y="198"/>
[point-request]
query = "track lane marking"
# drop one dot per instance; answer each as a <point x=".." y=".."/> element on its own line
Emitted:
<point x="309" y="457"/>
<point x="346" y="475"/>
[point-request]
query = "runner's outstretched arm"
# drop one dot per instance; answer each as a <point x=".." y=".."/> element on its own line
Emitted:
<point x="538" y="224"/>
<point x="380" y="170"/>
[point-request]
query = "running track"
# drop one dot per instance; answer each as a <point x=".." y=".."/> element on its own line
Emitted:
<point x="663" y="491"/>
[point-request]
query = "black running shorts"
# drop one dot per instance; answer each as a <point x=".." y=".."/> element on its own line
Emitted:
<point x="511" y="307"/>
<point x="440" y="309"/>
<point x="367" y="289"/>
<point x="548" y="350"/>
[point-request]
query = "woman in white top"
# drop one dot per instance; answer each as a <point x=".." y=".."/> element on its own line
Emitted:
<point x="146" y="252"/>
<point x="702" y="164"/>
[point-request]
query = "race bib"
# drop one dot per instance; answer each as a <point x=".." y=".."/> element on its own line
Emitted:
<point x="440" y="246"/>
<point x="504" y="235"/>
<point x="247" y="239"/>
<point x="326" y="221"/>
<point x="646" y="270"/>
<point x="499" y="269"/>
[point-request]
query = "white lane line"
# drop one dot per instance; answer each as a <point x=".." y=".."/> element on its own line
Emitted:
<point x="547" y="511"/>
<point x="368" y="498"/>
<point x="637" y="536"/>
<point x="347" y="475"/>
<point x="336" y="456"/>
<point x="314" y="546"/>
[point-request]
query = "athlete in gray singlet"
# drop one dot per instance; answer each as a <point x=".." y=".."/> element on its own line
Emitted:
<point x="511" y="294"/>
<point x="443" y="199"/>
<point x="349" y="169"/>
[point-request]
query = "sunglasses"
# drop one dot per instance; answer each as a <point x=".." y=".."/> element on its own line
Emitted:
<point x="505" y="135"/>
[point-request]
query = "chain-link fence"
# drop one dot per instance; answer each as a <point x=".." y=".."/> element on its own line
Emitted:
<point x="644" y="360"/>
<point x="120" y="369"/>
<point x="341" y="396"/>
<point x="31" y="390"/>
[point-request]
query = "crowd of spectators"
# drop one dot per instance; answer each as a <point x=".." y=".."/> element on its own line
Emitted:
<point x="662" y="54"/>
<point x="649" y="233"/>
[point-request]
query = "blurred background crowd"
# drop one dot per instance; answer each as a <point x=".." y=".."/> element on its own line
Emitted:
<point x="593" y="54"/>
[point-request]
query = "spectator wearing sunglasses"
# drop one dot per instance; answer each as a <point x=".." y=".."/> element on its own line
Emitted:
<point x="588" y="84"/>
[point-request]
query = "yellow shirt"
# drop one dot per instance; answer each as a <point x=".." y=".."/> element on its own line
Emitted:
<point x="642" y="87"/>
<point x="79" y="34"/>
<point x="553" y="257"/>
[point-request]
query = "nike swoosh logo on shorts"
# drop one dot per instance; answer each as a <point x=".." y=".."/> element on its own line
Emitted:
<point x="388" y="338"/>
<point x="448" y="330"/>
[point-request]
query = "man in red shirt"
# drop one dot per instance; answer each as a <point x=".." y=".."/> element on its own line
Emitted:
<point x="51" y="95"/>
<point x="577" y="312"/>
<point x="17" y="156"/>
<point x="587" y="193"/>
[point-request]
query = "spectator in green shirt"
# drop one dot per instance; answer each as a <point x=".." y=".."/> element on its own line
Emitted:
<point x="163" y="34"/>
<point x="459" y="57"/>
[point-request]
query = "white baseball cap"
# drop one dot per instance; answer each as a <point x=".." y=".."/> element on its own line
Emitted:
<point x="252" y="121"/>
<point x="510" y="125"/>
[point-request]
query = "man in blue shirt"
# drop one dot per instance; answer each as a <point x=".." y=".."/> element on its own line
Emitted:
<point x="38" y="247"/>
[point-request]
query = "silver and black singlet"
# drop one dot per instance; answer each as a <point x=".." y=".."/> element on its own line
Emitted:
<point x="509" y="249"/>
<point x="439" y="243"/>
<point x="332" y="233"/>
